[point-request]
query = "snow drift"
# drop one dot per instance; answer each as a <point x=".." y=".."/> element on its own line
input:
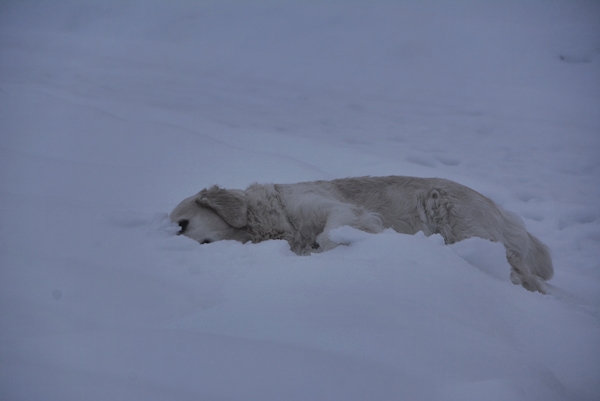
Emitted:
<point x="112" y="112"/>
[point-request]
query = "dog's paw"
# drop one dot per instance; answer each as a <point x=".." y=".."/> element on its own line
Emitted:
<point x="529" y="282"/>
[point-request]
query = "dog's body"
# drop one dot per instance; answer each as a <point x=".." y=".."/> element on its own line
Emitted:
<point x="303" y="214"/>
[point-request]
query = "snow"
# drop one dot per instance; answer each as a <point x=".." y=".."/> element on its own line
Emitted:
<point x="112" y="112"/>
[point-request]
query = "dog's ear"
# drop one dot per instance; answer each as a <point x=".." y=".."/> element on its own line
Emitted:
<point x="230" y="204"/>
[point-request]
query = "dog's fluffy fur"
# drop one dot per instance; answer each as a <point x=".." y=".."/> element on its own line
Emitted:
<point x="303" y="214"/>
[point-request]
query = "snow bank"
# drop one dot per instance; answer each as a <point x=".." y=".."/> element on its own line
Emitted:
<point x="112" y="112"/>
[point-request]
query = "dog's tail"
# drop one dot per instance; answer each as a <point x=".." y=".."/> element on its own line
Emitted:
<point x="529" y="258"/>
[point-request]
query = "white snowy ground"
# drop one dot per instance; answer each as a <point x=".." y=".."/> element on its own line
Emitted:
<point x="112" y="112"/>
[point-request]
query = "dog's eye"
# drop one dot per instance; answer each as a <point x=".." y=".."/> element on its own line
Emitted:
<point x="183" y="224"/>
<point x="206" y="241"/>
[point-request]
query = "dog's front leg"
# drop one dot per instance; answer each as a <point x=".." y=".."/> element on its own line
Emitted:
<point x="324" y="243"/>
<point x="335" y="218"/>
<point x="347" y="216"/>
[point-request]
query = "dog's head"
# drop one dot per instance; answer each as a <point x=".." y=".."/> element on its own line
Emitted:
<point x="213" y="214"/>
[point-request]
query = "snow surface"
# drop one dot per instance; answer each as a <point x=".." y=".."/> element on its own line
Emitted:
<point x="111" y="112"/>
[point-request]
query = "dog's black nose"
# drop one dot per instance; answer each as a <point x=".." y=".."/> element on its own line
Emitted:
<point x="183" y="224"/>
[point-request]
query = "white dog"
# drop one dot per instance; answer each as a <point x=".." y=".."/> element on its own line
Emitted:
<point x="303" y="214"/>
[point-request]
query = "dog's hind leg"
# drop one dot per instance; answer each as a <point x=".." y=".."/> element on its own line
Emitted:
<point x="519" y="274"/>
<point x="529" y="258"/>
<point x="477" y="216"/>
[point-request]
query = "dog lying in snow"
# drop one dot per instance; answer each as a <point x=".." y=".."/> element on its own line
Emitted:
<point x="303" y="214"/>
